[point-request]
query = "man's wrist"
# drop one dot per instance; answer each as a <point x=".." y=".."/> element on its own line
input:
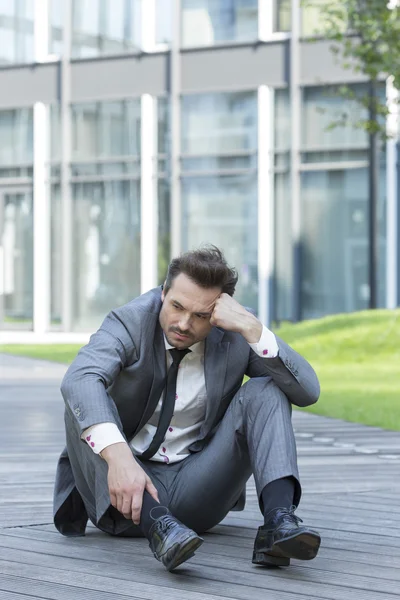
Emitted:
<point x="109" y="453"/>
<point x="252" y="329"/>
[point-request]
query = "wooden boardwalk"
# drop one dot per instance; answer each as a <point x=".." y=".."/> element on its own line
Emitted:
<point x="351" y="480"/>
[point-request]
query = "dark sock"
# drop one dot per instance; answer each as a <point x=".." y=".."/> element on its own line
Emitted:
<point x="151" y="511"/>
<point x="277" y="494"/>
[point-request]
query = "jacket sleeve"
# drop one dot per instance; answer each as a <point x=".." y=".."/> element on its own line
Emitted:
<point x="290" y="371"/>
<point x="94" y="370"/>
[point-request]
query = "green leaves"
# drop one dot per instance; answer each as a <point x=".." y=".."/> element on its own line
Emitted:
<point x="366" y="36"/>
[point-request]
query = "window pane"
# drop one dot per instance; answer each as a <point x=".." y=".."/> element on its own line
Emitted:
<point x="322" y="107"/>
<point x="283" y="15"/>
<point x="335" y="242"/>
<point x="207" y="22"/>
<point x="164" y="229"/>
<point x="223" y="211"/>
<point x="104" y="27"/>
<point x="219" y="123"/>
<point x="16" y="234"/>
<point x="16" y="31"/>
<point x="16" y="135"/>
<point x="283" y="249"/>
<point x="105" y="129"/>
<point x="164" y="21"/>
<point x="56" y="256"/>
<point x="56" y="18"/>
<point x="106" y="249"/>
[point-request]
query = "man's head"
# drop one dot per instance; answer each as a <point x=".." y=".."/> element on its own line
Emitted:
<point x="194" y="282"/>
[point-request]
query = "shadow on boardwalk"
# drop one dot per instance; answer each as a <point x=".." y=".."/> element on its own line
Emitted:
<point x="351" y="479"/>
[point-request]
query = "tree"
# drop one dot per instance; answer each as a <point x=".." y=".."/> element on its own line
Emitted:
<point x="366" y="39"/>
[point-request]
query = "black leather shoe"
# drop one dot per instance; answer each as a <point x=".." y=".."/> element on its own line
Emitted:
<point x="171" y="542"/>
<point x="282" y="538"/>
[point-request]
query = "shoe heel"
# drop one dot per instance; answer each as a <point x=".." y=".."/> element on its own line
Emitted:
<point x="266" y="560"/>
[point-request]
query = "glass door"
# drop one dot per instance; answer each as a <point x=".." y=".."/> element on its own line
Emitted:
<point x="16" y="259"/>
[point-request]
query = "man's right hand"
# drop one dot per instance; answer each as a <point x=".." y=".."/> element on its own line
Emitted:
<point x="126" y="481"/>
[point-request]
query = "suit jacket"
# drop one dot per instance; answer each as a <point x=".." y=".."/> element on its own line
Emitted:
<point x="119" y="377"/>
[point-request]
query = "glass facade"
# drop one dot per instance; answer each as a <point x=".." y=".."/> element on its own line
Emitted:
<point x="208" y="22"/>
<point x="219" y="188"/>
<point x="220" y="201"/>
<point x="335" y="208"/>
<point x="16" y="31"/>
<point x="163" y="188"/>
<point x="283" y="15"/>
<point x="106" y="208"/>
<point x="105" y="27"/>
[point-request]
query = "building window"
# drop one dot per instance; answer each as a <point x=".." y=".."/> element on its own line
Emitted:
<point x="219" y="181"/>
<point x="164" y="16"/>
<point x="334" y="200"/>
<point x="105" y="175"/>
<point x="163" y="187"/>
<point x="209" y="22"/>
<point x="16" y="147"/>
<point x="16" y="31"/>
<point x="283" y="15"/>
<point x="105" y="27"/>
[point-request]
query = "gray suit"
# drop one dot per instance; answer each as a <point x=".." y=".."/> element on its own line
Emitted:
<point x="119" y="377"/>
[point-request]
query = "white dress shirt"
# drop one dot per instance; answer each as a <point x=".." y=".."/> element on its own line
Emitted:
<point x="190" y="407"/>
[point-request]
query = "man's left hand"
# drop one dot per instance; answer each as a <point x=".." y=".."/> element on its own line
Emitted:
<point x="232" y="316"/>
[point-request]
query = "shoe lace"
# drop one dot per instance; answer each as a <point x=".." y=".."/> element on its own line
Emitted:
<point x="288" y="515"/>
<point x="166" y="523"/>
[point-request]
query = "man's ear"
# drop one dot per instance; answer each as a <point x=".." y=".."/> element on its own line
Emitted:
<point x="163" y="292"/>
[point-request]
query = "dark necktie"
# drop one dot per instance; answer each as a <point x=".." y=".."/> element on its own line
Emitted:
<point x="168" y="405"/>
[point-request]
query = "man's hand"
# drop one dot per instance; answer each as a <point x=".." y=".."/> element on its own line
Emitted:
<point x="232" y="316"/>
<point x="126" y="481"/>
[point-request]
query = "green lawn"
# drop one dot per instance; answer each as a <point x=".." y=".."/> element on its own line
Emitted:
<point x="356" y="356"/>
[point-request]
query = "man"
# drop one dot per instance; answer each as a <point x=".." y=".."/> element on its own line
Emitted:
<point x="162" y="435"/>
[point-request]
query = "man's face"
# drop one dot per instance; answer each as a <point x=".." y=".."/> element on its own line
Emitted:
<point x="186" y="312"/>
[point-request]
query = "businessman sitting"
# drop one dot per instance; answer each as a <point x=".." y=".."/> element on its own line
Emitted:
<point x="162" y="435"/>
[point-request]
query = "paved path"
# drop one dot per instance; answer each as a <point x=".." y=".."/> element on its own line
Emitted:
<point x="350" y="474"/>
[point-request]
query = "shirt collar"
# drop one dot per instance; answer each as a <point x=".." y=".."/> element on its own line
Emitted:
<point x="197" y="348"/>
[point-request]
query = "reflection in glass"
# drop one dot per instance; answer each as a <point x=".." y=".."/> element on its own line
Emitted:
<point x="105" y="129"/>
<point x="106" y="249"/>
<point x="16" y="31"/>
<point x="283" y="272"/>
<point x="335" y="242"/>
<point x="164" y="12"/>
<point x="16" y="243"/>
<point x="16" y="136"/>
<point x="283" y="15"/>
<point x="321" y="108"/>
<point x="208" y="22"/>
<point x="56" y="271"/>
<point x="223" y="211"/>
<point x="105" y="27"/>
<point x="164" y="228"/>
<point x="219" y="123"/>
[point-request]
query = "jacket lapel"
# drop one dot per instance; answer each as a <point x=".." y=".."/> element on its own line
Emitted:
<point x="215" y="365"/>
<point x="159" y="375"/>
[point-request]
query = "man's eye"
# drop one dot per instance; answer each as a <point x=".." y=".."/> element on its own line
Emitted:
<point x="201" y="316"/>
<point x="177" y="307"/>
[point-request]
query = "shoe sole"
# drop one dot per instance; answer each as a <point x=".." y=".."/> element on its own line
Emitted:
<point x="303" y="546"/>
<point x="181" y="552"/>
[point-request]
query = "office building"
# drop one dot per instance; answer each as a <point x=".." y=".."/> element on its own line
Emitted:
<point x="131" y="130"/>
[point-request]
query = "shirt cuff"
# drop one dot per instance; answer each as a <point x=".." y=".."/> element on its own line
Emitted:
<point x="267" y="347"/>
<point x="102" y="435"/>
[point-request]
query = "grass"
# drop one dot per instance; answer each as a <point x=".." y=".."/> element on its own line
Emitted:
<point x="356" y="356"/>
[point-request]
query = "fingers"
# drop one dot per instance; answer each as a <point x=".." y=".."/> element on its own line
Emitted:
<point x="136" y="505"/>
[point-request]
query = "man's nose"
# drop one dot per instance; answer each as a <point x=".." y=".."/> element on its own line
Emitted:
<point x="184" y="322"/>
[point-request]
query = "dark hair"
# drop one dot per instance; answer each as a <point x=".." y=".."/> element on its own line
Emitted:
<point x="206" y="266"/>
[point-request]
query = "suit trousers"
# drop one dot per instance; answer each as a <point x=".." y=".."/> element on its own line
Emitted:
<point x="255" y="436"/>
